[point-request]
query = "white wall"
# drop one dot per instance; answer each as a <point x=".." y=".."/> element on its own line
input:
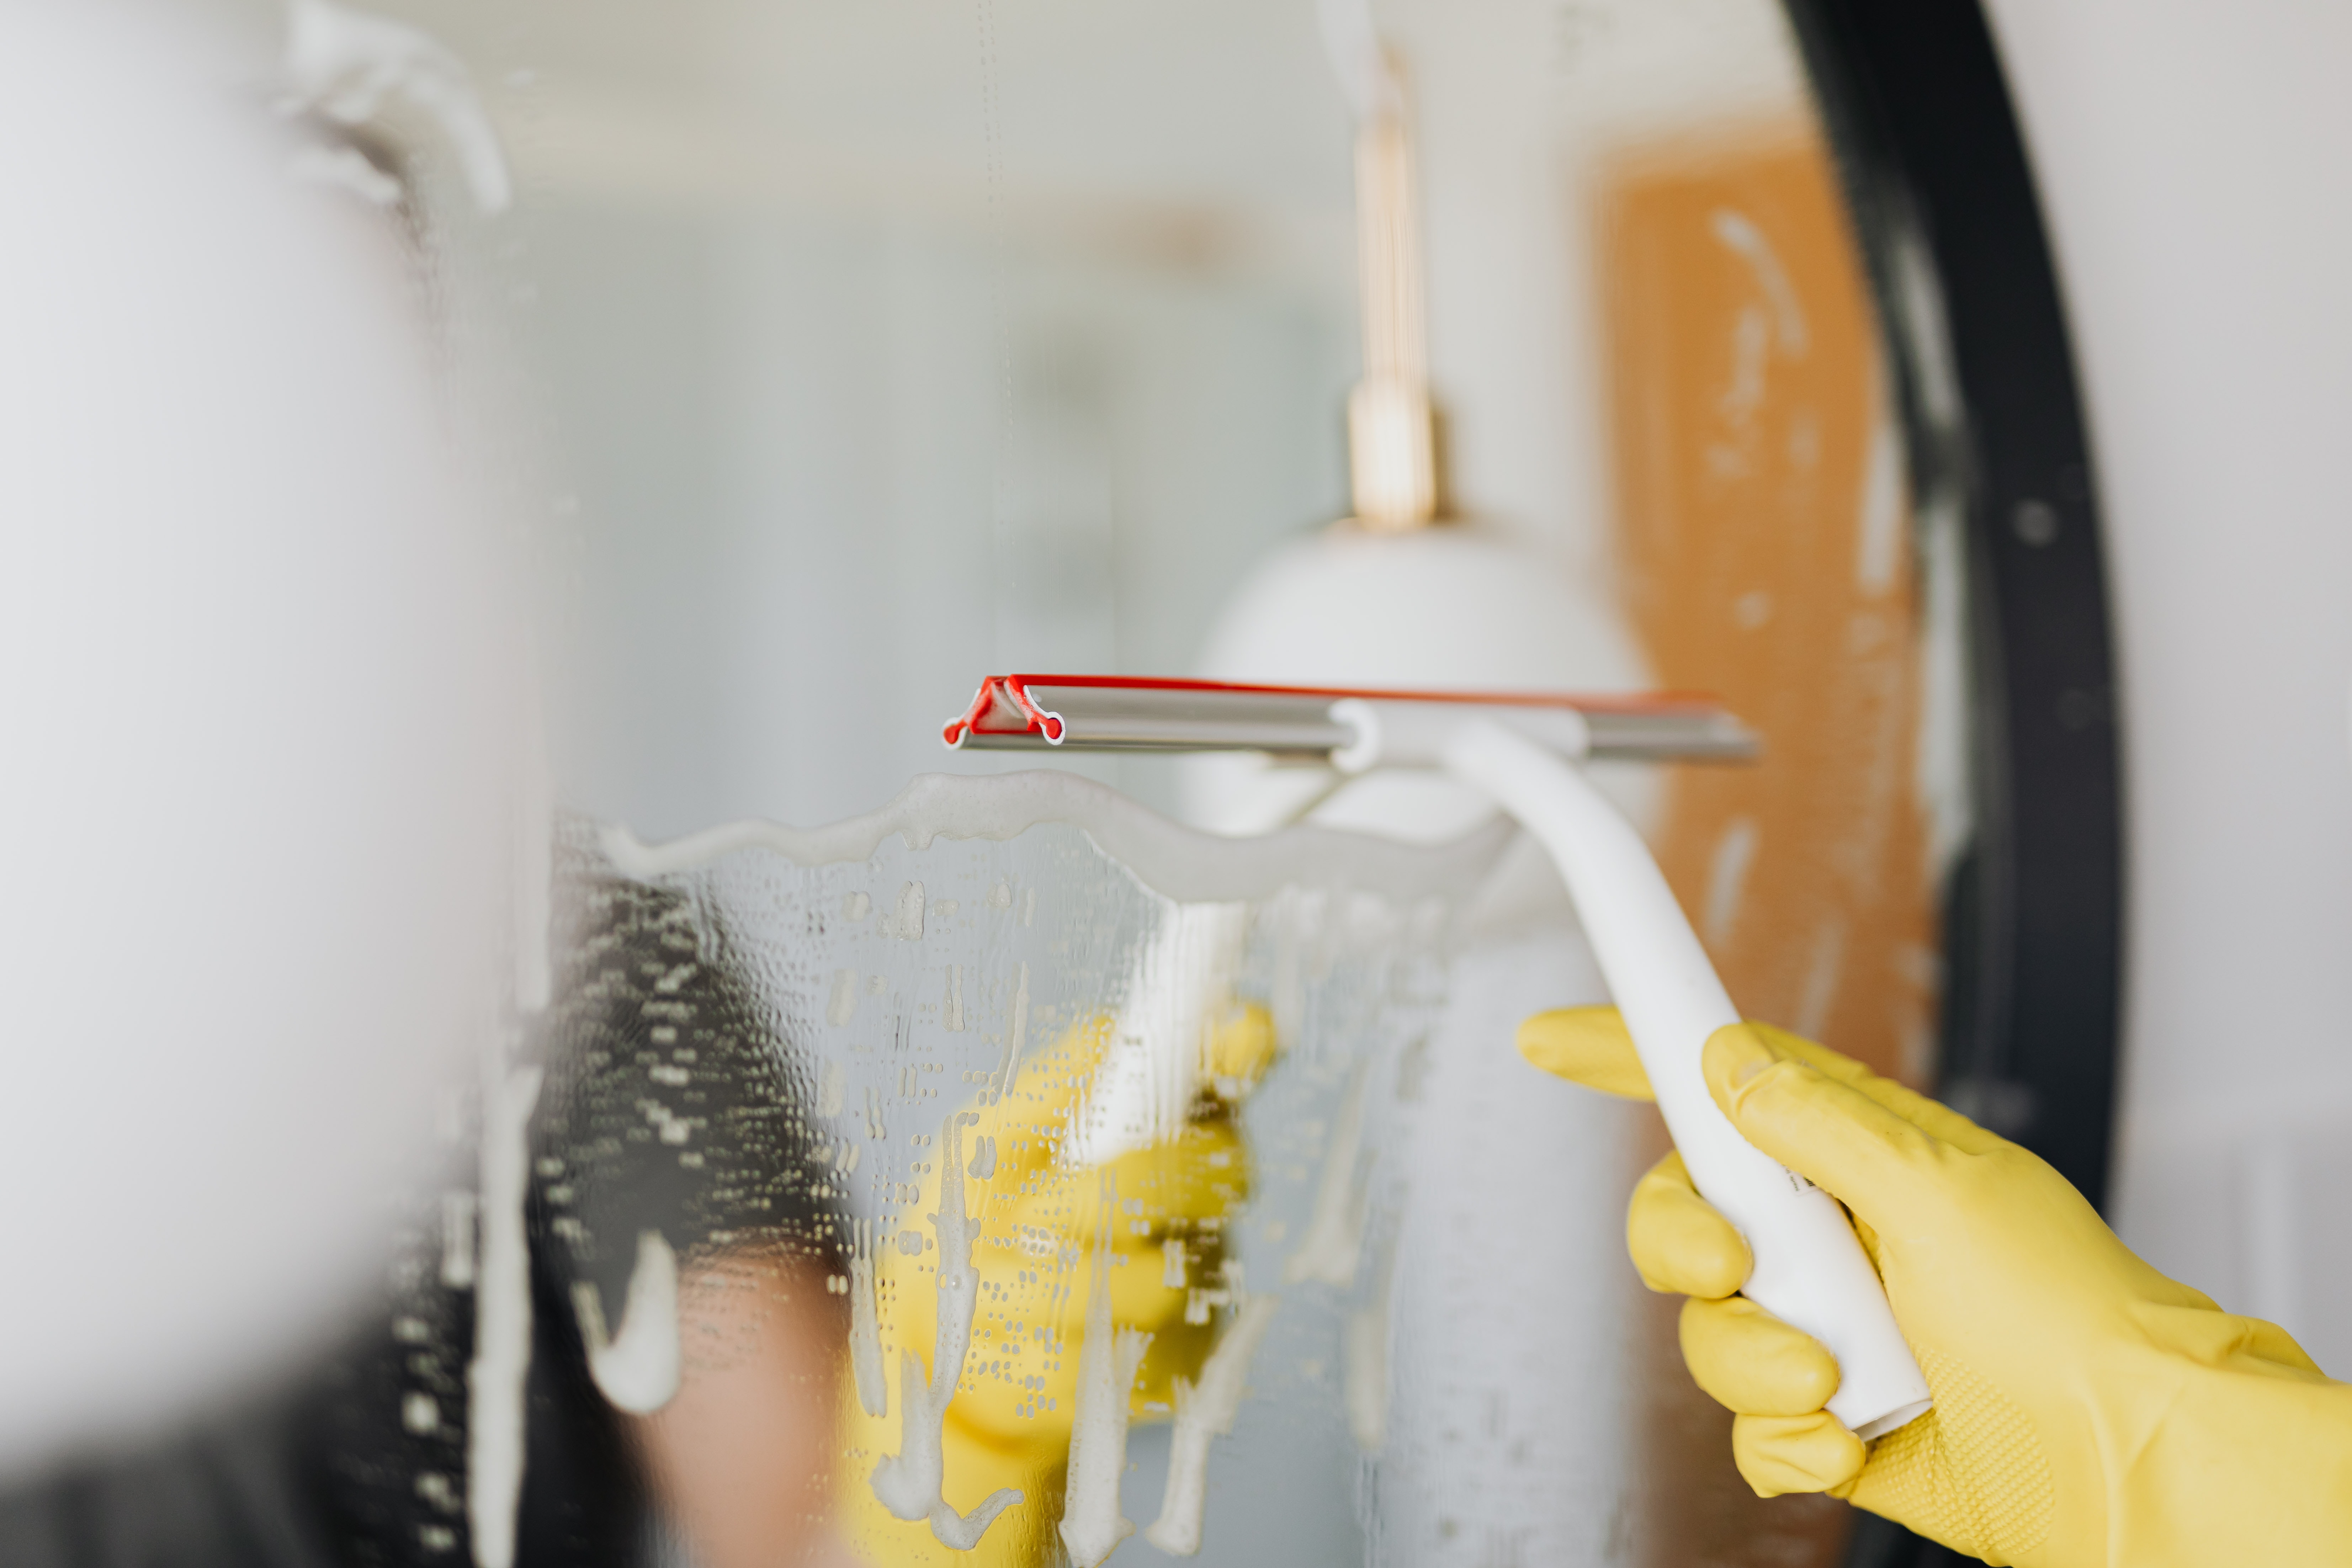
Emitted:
<point x="2195" y="164"/>
<point x="874" y="360"/>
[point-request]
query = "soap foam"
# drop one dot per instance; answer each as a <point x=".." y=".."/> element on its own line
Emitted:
<point x="908" y="1482"/>
<point x="1175" y="861"/>
<point x="1206" y="1412"/>
<point x="1092" y="1526"/>
<point x="1334" y="1242"/>
<point x="638" y="1368"/>
<point x="865" y="1324"/>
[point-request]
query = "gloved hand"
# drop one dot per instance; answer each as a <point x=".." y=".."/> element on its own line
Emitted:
<point x="2089" y="1411"/>
<point x="1040" y="1223"/>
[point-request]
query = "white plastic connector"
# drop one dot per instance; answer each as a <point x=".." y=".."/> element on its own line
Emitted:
<point x="1809" y="1268"/>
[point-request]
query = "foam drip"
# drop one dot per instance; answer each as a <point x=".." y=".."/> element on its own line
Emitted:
<point x="908" y="1482"/>
<point x="1092" y="1525"/>
<point x="636" y="1369"/>
<point x="1204" y="1413"/>
<point x="1334" y="1243"/>
<point x="865" y="1325"/>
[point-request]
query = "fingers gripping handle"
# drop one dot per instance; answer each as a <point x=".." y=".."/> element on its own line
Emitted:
<point x="1809" y="1268"/>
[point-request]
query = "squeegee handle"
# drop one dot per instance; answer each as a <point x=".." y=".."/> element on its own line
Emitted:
<point x="1809" y="1268"/>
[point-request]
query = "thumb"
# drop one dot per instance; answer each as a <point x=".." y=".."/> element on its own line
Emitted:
<point x="1589" y="1046"/>
<point x="1841" y="1140"/>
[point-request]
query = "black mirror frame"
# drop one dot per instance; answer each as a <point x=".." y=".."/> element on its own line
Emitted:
<point x="1936" y="177"/>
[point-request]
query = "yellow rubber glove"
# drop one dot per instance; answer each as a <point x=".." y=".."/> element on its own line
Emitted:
<point x="1041" y="1226"/>
<point x="2089" y="1413"/>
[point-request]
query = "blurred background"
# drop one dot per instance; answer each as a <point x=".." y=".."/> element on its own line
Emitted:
<point x="875" y="349"/>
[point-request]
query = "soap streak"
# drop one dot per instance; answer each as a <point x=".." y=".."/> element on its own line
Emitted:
<point x="865" y="1324"/>
<point x="1018" y="1034"/>
<point x="1203" y="1413"/>
<point x="1367" y="1350"/>
<point x="638" y="1368"/>
<point x="1092" y="1526"/>
<point x="908" y="1482"/>
<point x="1334" y="1242"/>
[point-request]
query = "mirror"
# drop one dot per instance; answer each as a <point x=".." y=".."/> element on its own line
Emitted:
<point x="836" y="355"/>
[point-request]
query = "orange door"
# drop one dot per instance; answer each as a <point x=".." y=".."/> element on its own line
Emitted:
<point x="1766" y="538"/>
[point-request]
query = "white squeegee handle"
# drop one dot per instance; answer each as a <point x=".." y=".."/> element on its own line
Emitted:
<point x="1809" y="1268"/>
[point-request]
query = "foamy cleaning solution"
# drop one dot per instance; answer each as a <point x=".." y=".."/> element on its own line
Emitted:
<point x="1124" y="1118"/>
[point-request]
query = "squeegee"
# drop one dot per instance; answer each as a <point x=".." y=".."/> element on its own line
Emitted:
<point x="1522" y="751"/>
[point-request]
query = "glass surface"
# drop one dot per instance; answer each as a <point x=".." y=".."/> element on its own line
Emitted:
<point x="1276" y="1098"/>
<point x="1032" y="949"/>
<point x="834" y="353"/>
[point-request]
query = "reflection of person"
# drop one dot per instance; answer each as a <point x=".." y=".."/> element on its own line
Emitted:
<point x="672" y="1111"/>
<point x="362" y="1459"/>
<point x="2088" y="1410"/>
